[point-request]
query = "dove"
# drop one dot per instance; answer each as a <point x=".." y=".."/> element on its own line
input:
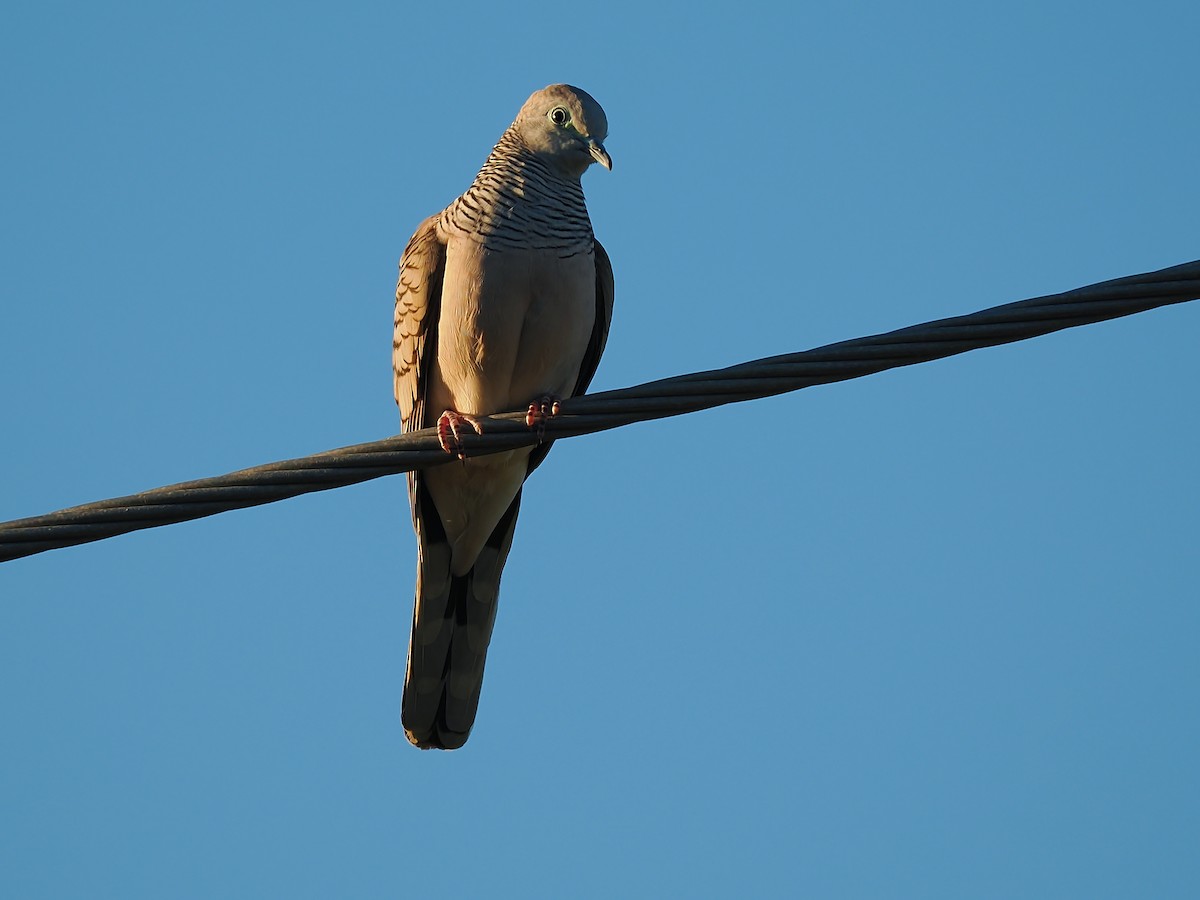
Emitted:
<point x="503" y="302"/>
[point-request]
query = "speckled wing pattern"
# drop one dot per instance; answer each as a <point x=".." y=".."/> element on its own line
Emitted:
<point x="418" y="304"/>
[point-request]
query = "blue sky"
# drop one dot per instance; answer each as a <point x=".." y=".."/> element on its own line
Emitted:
<point x="926" y="634"/>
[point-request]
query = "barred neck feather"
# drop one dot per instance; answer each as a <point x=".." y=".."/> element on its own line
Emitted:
<point x="517" y="201"/>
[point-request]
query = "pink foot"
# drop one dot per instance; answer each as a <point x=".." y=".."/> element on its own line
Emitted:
<point x="450" y="429"/>
<point x="541" y="410"/>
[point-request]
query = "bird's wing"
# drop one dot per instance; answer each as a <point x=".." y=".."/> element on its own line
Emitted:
<point x="414" y="340"/>
<point x="414" y="353"/>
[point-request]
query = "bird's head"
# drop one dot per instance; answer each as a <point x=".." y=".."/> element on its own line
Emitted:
<point x="565" y="125"/>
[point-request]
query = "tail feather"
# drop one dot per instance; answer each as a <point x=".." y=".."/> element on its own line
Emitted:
<point x="453" y="619"/>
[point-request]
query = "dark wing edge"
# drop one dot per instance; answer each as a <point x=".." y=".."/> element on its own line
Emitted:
<point x="605" y="291"/>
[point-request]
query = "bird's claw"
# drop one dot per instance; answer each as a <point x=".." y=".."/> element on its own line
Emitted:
<point x="450" y="429"/>
<point x="540" y="411"/>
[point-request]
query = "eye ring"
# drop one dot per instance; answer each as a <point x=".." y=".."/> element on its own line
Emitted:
<point x="559" y="116"/>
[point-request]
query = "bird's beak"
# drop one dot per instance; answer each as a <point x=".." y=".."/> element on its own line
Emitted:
<point x="599" y="154"/>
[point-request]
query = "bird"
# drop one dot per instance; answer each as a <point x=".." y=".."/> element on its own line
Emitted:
<point x="504" y="299"/>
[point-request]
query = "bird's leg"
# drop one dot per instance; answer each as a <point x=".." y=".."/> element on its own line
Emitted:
<point x="540" y="411"/>
<point x="449" y="430"/>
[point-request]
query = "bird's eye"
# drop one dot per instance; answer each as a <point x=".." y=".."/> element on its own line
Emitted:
<point x="559" y="116"/>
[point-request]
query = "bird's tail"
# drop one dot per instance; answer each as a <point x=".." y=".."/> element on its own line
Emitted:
<point x="452" y="626"/>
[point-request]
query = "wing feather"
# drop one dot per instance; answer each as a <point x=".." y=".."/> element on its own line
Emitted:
<point x="414" y="338"/>
<point x="418" y="301"/>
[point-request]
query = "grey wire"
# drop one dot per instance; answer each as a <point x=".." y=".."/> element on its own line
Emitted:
<point x="610" y="409"/>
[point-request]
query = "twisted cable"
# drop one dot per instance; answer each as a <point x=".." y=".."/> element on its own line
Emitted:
<point x="609" y="409"/>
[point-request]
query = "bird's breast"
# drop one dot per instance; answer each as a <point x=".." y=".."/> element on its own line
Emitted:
<point x="514" y="325"/>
